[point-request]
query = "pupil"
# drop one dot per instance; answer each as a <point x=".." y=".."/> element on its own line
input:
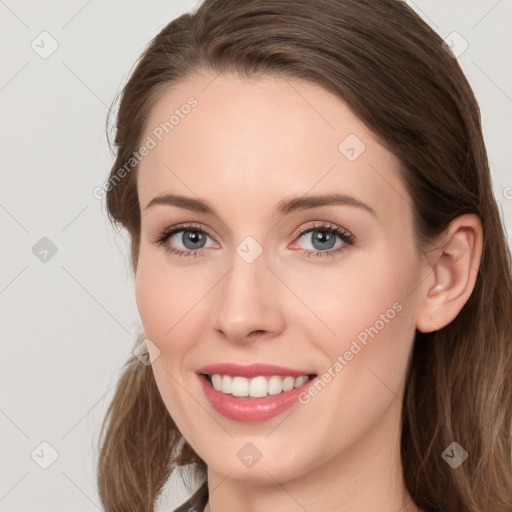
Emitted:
<point x="325" y="239"/>
<point x="193" y="237"/>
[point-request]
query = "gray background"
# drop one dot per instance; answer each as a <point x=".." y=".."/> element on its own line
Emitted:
<point x="68" y="323"/>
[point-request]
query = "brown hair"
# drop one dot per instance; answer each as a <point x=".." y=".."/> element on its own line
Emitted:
<point x="389" y="66"/>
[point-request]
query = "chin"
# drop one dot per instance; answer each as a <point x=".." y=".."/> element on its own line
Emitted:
<point x="266" y="467"/>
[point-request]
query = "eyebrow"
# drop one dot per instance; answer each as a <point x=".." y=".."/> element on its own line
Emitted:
<point x="284" y="207"/>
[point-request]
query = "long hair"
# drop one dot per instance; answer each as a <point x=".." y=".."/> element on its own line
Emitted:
<point x="390" y="67"/>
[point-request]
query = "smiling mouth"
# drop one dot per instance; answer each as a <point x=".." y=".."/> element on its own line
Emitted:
<point x="256" y="387"/>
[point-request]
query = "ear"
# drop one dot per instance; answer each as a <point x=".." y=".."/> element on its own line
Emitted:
<point x="452" y="269"/>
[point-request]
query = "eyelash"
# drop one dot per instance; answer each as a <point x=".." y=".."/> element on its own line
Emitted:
<point x="346" y="237"/>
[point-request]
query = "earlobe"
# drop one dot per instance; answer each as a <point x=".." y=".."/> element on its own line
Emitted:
<point x="452" y="274"/>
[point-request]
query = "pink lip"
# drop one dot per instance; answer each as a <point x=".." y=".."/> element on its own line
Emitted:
<point x="253" y="370"/>
<point x="251" y="410"/>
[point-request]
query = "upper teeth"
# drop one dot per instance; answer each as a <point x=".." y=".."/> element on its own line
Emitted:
<point x="256" y="387"/>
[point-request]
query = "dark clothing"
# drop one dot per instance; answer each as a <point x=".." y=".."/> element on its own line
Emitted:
<point x="197" y="502"/>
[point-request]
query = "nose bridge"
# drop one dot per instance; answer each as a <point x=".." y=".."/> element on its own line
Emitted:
<point x="247" y="297"/>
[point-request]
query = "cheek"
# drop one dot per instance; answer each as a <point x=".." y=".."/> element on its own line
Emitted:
<point x="170" y="309"/>
<point x="368" y="317"/>
<point x="352" y="297"/>
<point x="152" y="301"/>
<point x="165" y="323"/>
<point x="375" y="329"/>
<point x="161" y="301"/>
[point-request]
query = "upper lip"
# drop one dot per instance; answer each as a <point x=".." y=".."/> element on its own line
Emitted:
<point x="252" y="370"/>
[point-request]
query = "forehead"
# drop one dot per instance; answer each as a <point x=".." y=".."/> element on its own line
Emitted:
<point x="262" y="140"/>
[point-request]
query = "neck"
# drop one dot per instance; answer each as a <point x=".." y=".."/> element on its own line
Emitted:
<point x="366" y="476"/>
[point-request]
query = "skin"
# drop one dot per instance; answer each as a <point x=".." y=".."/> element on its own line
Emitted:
<point x="246" y="146"/>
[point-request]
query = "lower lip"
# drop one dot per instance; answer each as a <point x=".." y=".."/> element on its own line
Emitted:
<point x="251" y="409"/>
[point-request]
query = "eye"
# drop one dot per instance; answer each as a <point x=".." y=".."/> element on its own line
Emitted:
<point x="321" y="236"/>
<point x="191" y="237"/>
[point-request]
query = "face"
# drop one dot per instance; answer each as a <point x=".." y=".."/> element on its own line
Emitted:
<point x="269" y="275"/>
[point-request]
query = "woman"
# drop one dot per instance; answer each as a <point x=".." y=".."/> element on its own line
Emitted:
<point x="320" y="267"/>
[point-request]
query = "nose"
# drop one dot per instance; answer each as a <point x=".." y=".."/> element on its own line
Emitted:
<point x="248" y="304"/>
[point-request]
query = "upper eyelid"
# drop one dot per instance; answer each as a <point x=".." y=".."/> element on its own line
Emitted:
<point x="300" y="231"/>
<point x="325" y="225"/>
